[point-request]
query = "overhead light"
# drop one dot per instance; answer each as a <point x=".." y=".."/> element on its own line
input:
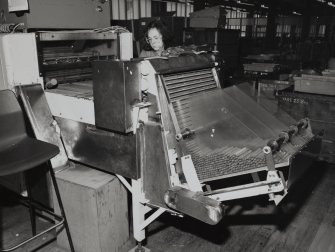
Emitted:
<point x="296" y="13"/>
<point x="265" y="7"/>
<point x="239" y="2"/>
<point x="331" y="4"/>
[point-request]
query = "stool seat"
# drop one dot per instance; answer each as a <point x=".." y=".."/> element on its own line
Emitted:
<point x="24" y="155"/>
<point x="19" y="153"/>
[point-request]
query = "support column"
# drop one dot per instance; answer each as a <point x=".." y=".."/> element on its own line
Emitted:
<point x="306" y="17"/>
<point x="248" y="32"/>
<point x="271" y="25"/>
<point x="328" y="32"/>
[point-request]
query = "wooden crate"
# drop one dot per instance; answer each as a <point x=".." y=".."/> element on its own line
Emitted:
<point x="314" y="84"/>
<point x="96" y="208"/>
<point x="272" y="86"/>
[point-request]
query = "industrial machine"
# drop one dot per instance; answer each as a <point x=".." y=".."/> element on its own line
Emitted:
<point x="57" y="57"/>
<point x="176" y="140"/>
<point x="173" y="137"/>
<point x="54" y="42"/>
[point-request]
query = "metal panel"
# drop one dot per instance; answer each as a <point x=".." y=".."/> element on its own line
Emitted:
<point x="75" y="35"/>
<point x="155" y="164"/>
<point x="107" y="151"/>
<point x="77" y="96"/>
<point x="62" y="14"/>
<point x="18" y="60"/>
<point x="195" y="204"/>
<point x="126" y="46"/>
<point x="42" y="122"/>
<point x="116" y="89"/>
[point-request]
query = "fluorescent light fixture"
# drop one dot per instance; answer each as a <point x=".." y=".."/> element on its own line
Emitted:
<point x="239" y="2"/>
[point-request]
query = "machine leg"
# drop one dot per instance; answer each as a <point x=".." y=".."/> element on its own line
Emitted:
<point x="139" y="211"/>
<point x="138" y="218"/>
<point x="139" y="248"/>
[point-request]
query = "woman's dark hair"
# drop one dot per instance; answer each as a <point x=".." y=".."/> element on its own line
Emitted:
<point x="162" y="28"/>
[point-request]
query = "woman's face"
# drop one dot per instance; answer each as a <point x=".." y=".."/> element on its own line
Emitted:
<point x="155" y="39"/>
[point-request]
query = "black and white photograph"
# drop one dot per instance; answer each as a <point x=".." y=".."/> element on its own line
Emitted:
<point x="167" y="125"/>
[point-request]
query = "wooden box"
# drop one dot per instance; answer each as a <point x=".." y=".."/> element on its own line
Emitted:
<point x="315" y="84"/>
<point x="96" y="208"/>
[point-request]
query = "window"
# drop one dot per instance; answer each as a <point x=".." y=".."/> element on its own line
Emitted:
<point x="312" y="31"/>
<point x="260" y="31"/>
<point x="322" y="30"/>
<point x="243" y="30"/>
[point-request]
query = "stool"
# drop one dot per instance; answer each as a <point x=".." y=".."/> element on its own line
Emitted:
<point x="20" y="153"/>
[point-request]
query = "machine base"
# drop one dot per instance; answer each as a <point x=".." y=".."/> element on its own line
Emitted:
<point x="140" y="249"/>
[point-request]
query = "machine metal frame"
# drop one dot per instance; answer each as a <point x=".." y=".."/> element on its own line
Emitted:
<point x="181" y="192"/>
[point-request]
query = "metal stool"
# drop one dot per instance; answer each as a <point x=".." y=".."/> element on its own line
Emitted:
<point x="20" y="153"/>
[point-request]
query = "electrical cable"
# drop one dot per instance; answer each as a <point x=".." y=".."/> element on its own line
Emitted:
<point x="11" y="27"/>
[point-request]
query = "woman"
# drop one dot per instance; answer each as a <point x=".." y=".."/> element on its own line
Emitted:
<point x="157" y="37"/>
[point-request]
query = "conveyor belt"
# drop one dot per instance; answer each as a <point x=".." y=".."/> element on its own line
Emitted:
<point x="229" y="128"/>
<point x="230" y="161"/>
